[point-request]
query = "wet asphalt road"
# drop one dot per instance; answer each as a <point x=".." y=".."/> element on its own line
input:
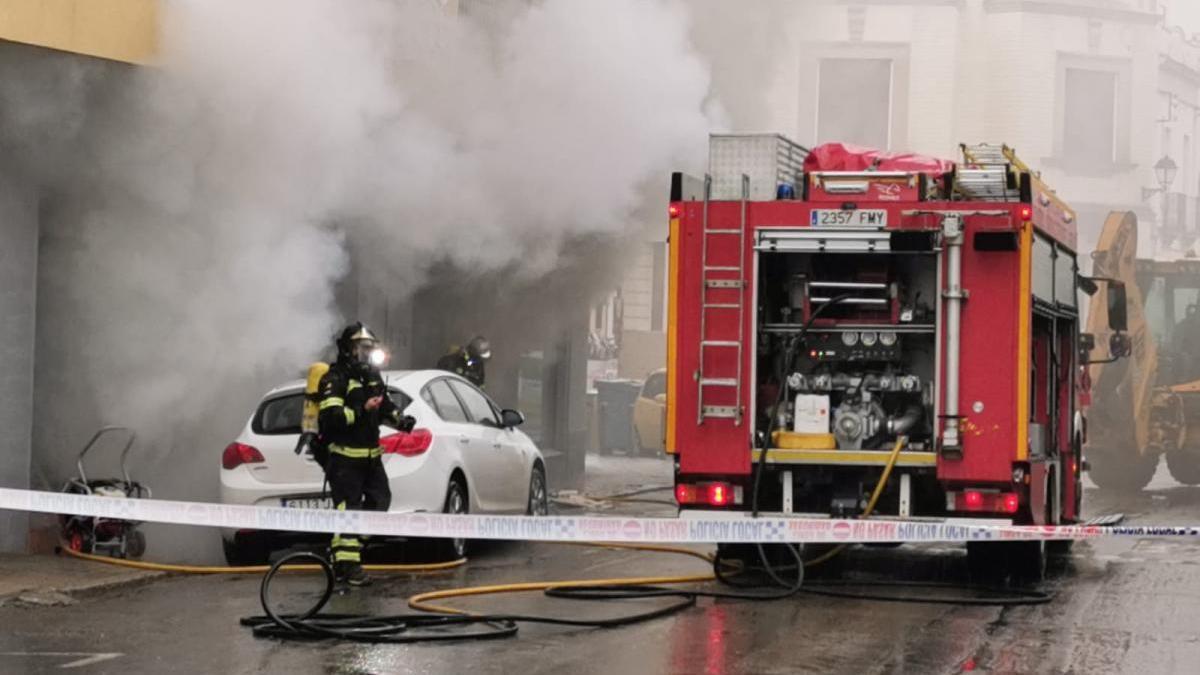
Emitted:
<point x="1122" y="606"/>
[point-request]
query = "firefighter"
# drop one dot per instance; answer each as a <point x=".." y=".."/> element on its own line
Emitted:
<point x="468" y="362"/>
<point x="353" y="403"/>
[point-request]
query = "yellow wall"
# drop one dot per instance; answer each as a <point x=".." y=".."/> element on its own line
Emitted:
<point x="121" y="30"/>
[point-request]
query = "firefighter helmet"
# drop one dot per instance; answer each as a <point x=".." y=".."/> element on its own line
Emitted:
<point x="351" y="337"/>
<point x="479" y="348"/>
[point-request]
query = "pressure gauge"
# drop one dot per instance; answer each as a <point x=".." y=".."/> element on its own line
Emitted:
<point x="887" y="338"/>
<point x="869" y="338"/>
<point x="850" y="338"/>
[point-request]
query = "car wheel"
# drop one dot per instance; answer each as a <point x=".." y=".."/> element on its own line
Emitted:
<point x="245" y="551"/>
<point x="456" y="502"/>
<point x="135" y="544"/>
<point x="539" y="497"/>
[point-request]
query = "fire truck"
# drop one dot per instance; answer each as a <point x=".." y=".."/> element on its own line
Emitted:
<point x="840" y="315"/>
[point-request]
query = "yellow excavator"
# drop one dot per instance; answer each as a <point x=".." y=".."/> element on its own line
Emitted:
<point x="1147" y="405"/>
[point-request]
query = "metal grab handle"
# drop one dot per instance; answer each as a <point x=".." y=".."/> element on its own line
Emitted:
<point x="124" y="452"/>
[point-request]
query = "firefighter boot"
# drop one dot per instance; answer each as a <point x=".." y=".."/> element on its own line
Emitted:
<point x="351" y="573"/>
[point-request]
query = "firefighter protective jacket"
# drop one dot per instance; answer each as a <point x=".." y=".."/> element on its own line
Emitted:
<point x="346" y="425"/>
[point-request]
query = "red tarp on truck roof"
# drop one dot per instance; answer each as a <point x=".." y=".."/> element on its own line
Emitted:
<point x="844" y="157"/>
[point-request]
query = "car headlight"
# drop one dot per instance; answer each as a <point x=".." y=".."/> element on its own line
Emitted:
<point x="849" y="338"/>
<point x="887" y="338"/>
<point x="869" y="338"/>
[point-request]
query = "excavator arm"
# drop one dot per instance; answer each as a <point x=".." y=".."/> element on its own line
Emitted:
<point x="1123" y="389"/>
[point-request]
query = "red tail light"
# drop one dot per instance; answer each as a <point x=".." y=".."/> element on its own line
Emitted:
<point x="987" y="502"/>
<point x="973" y="500"/>
<point x="712" y="494"/>
<point x="1026" y="213"/>
<point x="237" y="454"/>
<point x="685" y="494"/>
<point x="718" y="494"/>
<point x="674" y="210"/>
<point x="408" y="444"/>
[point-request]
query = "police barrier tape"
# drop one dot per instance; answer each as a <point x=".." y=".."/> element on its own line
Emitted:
<point x="554" y="528"/>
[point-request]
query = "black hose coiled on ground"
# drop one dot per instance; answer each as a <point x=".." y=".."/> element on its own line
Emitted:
<point x="312" y="625"/>
<point x="425" y="627"/>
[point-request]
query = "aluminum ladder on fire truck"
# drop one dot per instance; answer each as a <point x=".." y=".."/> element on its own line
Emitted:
<point x="704" y="380"/>
<point x="988" y="173"/>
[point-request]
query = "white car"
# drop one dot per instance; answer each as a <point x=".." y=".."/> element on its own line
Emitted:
<point x="465" y="455"/>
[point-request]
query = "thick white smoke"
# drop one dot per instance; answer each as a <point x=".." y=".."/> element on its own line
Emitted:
<point x="271" y="130"/>
<point x="200" y="211"/>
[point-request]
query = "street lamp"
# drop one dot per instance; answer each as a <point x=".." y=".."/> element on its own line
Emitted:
<point x="1165" y="171"/>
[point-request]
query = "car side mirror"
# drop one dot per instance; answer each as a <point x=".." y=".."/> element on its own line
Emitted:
<point x="510" y="419"/>
<point x="1118" y="319"/>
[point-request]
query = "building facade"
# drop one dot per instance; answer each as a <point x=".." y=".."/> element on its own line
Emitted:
<point x="38" y="36"/>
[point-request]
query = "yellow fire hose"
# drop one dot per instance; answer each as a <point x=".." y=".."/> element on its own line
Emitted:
<point x="887" y="472"/>
<point x="250" y="569"/>
<point x="424" y="601"/>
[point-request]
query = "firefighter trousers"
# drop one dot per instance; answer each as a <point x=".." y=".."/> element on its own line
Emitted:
<point x="356" y="483"/>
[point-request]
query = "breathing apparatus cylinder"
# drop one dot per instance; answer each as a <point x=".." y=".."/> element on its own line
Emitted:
<point x="309" y="440"/>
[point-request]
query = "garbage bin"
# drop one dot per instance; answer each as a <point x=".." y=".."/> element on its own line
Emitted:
<point x="616" y="399"/>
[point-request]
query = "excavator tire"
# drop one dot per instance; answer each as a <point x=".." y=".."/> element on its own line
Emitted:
<point x="1121" y="472"/>
<point x="1184" y="466"/>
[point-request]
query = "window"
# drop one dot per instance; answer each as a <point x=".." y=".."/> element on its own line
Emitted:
<point x="658" y="288"/>
<point x="854" y="102"/>
<point x="1089" y="132"/>
<point x="444" y="401"/>
<point x="477" y="404"/>
<point x="400" y="399"/>
<point x="279" y="416"/>
<point x="655" y="384"/>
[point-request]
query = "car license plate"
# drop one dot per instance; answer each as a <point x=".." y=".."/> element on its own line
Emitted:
<point x="850" y="218"/>
<point x="308" y="503"/>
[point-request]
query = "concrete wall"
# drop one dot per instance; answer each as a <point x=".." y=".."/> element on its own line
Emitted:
<point x="18" y="298"/>
<point x="121" y="30"/>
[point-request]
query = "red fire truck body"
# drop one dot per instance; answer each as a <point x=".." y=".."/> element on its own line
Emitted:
<point x="937" y="303"/>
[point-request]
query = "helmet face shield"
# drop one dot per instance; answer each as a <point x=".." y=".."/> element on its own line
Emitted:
<point x="364" y="351"/>
<point x="357" y="344"/>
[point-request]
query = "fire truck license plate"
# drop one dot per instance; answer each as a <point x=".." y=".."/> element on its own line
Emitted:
<point x="855" y="218"/>
<point x="308" y="503"/>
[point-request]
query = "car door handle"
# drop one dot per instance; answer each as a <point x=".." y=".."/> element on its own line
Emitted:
<point x="497" y="446"/>
<point x="464" y="439"/>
